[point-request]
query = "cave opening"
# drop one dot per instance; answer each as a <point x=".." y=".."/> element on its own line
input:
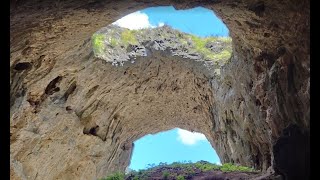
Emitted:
<point x="175" y="145"/>
<point x="199" y="39"/>
<point x="197" y="33"/>
<point x="263" y="90"/>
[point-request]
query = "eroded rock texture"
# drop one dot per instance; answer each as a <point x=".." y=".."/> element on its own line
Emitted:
<point x="74" y="116"/>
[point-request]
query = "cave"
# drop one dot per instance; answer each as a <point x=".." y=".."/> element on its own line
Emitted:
<point x="173" y="146"/>
<point x="73" y="116"/>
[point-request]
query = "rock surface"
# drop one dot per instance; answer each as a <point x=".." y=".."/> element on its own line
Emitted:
<point x="74" y="116"/>
<point x="118" y="45"/>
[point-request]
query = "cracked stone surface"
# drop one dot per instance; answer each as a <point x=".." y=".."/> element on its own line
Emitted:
<point x="75" y="116"/>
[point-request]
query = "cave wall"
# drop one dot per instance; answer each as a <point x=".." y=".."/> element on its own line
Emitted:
<point x="60" y="94"/>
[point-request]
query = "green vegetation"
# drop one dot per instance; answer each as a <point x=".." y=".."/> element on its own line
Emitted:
<point x="165" y="175"/>
<point x="222" y="56"/>
<point x="206" y="166"/>
<point x="179" y="170"/>
<point x="113" y="42"/>
<point x="98" y="42"/>
<point x="228" y="167"/>
<point x="129" y="37"/>
<point x="217" y="49"/>
<point x="115" y="176"/>
<point x="199" y="45"/>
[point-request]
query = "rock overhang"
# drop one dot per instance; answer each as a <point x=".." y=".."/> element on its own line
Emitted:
<point x="118" y="45"/>
<point x="265" y="88"/>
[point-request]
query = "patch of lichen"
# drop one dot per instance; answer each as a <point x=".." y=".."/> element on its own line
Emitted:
<point x="222" y="56"/>
<point x="183" y="40"/>
<point x="98" y="43"/>
<point x="200" y="45"/>
<point x="129" y="37"/>
<point x="113" y="42"/>
<point x="126" y="37"/>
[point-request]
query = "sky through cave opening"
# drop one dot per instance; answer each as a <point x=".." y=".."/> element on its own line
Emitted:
<point x="196" y="34"/>
<point x="199" y="21"/>
<point x="176" y="145"/>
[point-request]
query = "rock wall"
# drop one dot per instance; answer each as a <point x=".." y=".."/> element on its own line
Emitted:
<point x="75" y="117"/>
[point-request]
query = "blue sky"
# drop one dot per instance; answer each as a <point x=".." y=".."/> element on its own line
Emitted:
<point x="172" y="146"/>
<point x="199" y="21"/>
<point x="176" y="144"/>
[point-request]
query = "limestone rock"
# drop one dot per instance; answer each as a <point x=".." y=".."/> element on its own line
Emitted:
<point x="74" y="116"/>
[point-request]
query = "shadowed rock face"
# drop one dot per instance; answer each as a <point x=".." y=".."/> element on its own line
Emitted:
<point x="74" y="116"/>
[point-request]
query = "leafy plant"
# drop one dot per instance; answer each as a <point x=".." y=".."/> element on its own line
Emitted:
<point x="180" y="177"/>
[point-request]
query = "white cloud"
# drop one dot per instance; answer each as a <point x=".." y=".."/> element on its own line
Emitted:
<point x="218" y="163"/>
<point x="136" y="20"/>
<point x="161" y="24"/>
<point x="190" y="138"/>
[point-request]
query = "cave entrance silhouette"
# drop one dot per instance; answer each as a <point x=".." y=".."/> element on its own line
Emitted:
<point x="175" y="145"/>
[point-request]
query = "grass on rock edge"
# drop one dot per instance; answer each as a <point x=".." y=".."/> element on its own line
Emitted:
<point x="188" y="167"/>
<point x="199" y="44"/>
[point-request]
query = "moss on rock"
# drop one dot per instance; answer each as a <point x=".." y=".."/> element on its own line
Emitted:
<point x="98" y="43"/>
<point x="215" y="49"/>
<point x="129" y="37"/>
<point x="200" y="45"/>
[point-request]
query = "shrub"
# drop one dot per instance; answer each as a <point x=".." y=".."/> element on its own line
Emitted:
<point x="165" y="175"/>
<point x="228" y="167"/>
<point x="206" y="166"/>
<point x="180" y="177"/>
<point x="115" y="176"/>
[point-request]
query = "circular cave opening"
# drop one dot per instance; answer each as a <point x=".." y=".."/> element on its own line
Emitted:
<point x="194" y="34"/>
